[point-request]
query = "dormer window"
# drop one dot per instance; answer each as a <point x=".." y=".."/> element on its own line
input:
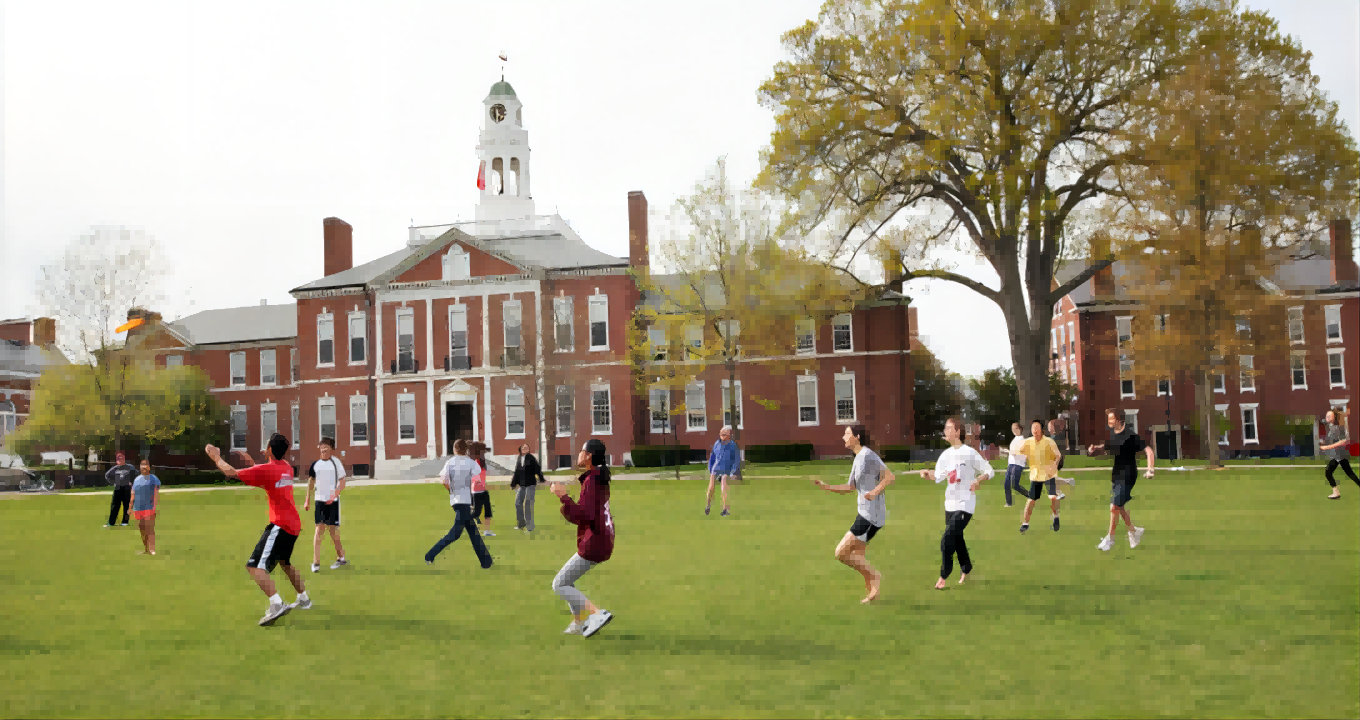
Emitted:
<point x="457" y="264"/>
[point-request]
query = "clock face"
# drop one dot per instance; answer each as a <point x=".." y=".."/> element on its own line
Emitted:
<point x="497" y="112"/>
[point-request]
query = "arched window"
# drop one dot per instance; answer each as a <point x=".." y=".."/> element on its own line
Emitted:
<point x="457" y="263"/>
<point x="514" y="176"/>
<point x="519" y="117"/>
<point x="497" y="182"/>
<point x="8" y="418"/>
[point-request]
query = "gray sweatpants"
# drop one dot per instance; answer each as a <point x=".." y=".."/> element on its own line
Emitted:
<point x="565" y="582"/>
<point x="524" y="507"/>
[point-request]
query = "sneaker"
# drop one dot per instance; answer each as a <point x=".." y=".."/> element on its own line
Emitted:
<point x="706" y="509"/>
<point x="725" y="513"/>
<point x="429" y="562"/>
<point x="1008" y="504"/>
<point x="106" y="526"/>
<point x="1106" y="543"/>
<point x="339" y="564"/>
<point x="573" y="629"/>
<point x="1062" y="495"/>
<point x="595" y="622"/>
<point x="1024" y="527"/>
<point x="302" y="604"/>
<point x="124" y="524"/>
<point x="276" y="611"/>
<point x="1055" y="523"/>
<point x="316" y="567"/>
<point x="1135" y="537"/>
<point x="488" y="533"/>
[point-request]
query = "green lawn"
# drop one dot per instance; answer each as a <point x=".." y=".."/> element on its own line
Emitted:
<point x="1243" y="601"/>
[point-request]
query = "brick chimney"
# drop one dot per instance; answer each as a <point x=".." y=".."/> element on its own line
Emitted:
<point x="915" y="329"/>
<point x="151" y="317"/>
<point x="1344" y="270"/>
<point x="637" y="229"/>
<point x="45" y="332"/>
<point x="338" y="245"/>
<point x="1103" y="282"/>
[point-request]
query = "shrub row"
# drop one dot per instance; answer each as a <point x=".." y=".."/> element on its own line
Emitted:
<point x="792" y="452"/>
<point x="896" y="453"/>
<point x="660" y="455"/>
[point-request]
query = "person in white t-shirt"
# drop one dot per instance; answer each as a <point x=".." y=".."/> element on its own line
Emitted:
<point x="869" y="477"/>
<point x="327" y="478"/>
<point x="1015" y="464"/>
<point x="965" y="470"/>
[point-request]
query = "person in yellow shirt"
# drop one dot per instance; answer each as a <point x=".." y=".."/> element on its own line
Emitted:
<point x="1042" y="455"/>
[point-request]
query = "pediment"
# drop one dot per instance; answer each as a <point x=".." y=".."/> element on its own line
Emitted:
<point x="458" y="390"/>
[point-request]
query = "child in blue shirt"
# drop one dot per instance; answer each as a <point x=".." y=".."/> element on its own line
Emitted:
<point x="146" y="497"/>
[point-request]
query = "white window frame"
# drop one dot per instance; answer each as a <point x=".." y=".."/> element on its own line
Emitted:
<point x="293" y="368"/>
<point x="1168" y="391"/>
<point x="693" y="333"/>
<point x="355" y="402"/>
<point x="321" y="404"/>
<point x="1340" y="354"/>
<point x="558" y="395"/>
<point x="362" y="317"/>
<point x="1329" y="312"/>
<point x="609" y="408"/>
<point x="1131" y="420"/>
<point x="231" y="369"/>
<point x="564" y="308"/>
<point x="1220" y="383"/>
<point x="1124" y="358"/>
<point x="325" y="330"/>
<point x="854" y="398"/>
<point x="1292" y="324"/>
<point x="408" y="399"/>
<point x="510" y="393"/>
<point x="177" y="358"/>
<point x="798" y="401"/>
<point x="1222" y="409"/>
<point x="458" y="311"/>
<point x="406" y="312"/>
<point x="1300" y="357"/>
<point x="1072" y="371"/>
<point x="1246" y="370"/>
<point x="653" y="394"/>
<point x="600" y="301"/>
<point x="741" y="407"/>
<point x="849" y="325"/>
<point x="265" y="432"/>
<point x="244" y="413"/>
<point x="810" y="325"/>
<point x="690" y="416"/>
<point x="1072" y="339"/>
<point x="507" y="306"/>
<point x="1255" y="422"/>
<point x="296" y="416"/>
<point x="656" y="337"/>
<point x="274" y="361"/>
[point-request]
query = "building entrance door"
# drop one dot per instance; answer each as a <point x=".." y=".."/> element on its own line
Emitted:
<point x="457" y="424"/>
<point x="1166" y="445"/>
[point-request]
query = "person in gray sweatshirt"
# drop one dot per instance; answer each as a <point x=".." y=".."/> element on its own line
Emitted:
<point x="120" y="476"/>
<point x="457" y="478"/>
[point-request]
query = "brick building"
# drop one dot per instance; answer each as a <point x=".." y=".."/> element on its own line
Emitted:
<point x="27" y="347"/>
<point x="1256" y="394"/>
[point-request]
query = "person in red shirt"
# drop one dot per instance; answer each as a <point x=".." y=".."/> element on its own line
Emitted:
<point x="594" y="537"/>
<point x="276" y="544"/>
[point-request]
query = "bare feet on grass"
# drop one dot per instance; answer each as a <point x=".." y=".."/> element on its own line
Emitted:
<point x="962" y="578"/>
<point x="873" y="588"/>
<point x="940" y="585"/>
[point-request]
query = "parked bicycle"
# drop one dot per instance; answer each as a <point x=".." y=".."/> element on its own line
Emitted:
<point x="35" y="482"/>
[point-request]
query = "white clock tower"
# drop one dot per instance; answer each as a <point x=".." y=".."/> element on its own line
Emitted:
<point x="504" y="156"/>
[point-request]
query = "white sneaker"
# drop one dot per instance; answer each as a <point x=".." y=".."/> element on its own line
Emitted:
<point x="339" y="564"/>
<point x="316" y="567"/>
<point x="1135" y="537"/>
<point x="488" y="533"/>
<point x="303" y="604"/>
<point x="595" y="622"/>
<point x="1061" y="495"/>
<point x="1106" y="543"/>
<point x="573" y="629"/>
<point x="276" y="611"/>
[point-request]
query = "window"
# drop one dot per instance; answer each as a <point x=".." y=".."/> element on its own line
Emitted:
<point x="696" y="411"/>
<point x="238" y="428"/>
<point x="727" y="404"/>
<point x="1131" y="419"/>
<point x="807" y="400"/>
<point x="358" y="339"/>
<point x="174" y="360"/>
<point x="457" y="264"/>
<point x="510" y="311"/>
<point x="564" y="410"/>
<point x="358" y="420"/>
<point x="694" y="341"/>
<point x="1221" y="411"/>
<point x="294" y="372"/>
<point x="1243" y="325"/>
<point x="238" y="369"/>
<point x="805" y="336"/>
<point x="514" y="413"/>
<point x="1052" y="347"/>
<point x="1072" y="340"/>
<point x="269" y="423"/>
<point x="1062" y="340"/>
<point x="458" y="338"/>
<point x="1163" y="387"/>
<point x="1159" y="322"/>
<point x="1072" y="372"/>
<point x="600" y="419"/>
<point x="1248" y="381"/>
<point x="840" y="333"/>
<point x="1295" y="325"/>
<point x="406" y="340"/>
<point x="731" y="329"/>
<point x="1332" y="316"/>
<point x="658" y="401"/>
<point x="1124" y="332"/>
<point x="406" y="418"/>
<point x="1298" y="370"/>
<point x="1335" y="370"/>
<point x="297" y="427"/>
<point x="599" y="322"/>
<point x="563" y="323"/>
<point x="1219" y="386"/>
<point x="1249" y="423"/>
<point x="326" y="417"/>
<point x="325" y="340"/>
<point x="656" y="337"/>
<point x="268" y="369"/>
<point x="845" y="397"/>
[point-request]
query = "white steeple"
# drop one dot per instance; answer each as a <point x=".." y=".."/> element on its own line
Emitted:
<point x="504" y="156"/>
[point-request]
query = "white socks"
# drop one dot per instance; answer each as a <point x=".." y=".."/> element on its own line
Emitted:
<point x="275" y="599"/>
<point x="302" y="596"/>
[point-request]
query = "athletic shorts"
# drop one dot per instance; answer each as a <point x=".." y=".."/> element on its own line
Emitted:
<point x="139" y="514"/>
<point x="1122" y="491"/>
<point x="275" y="547"/>
<point x="327" y="513"/>
<point x="1036" y="487"/>
<point x="863" y="530"/>
<point x="481" y="501"/>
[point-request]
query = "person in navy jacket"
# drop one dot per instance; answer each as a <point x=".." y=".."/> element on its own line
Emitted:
<point x="594" y="537"/>
<point x="722" y="465"/>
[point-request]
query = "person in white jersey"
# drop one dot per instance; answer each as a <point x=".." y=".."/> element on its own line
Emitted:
<point x="326" y="478"/>
<point x="1016" y="463"/>
<point x="457" y="479"/>
<point x="965" y="470"/>
<point x="869" y="477"/>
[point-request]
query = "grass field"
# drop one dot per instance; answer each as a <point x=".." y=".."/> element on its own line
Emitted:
<point x="1242" y="601"/>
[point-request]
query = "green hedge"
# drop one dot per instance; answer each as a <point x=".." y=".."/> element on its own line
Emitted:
<point x="896" y="453"/>
<point x="793" y="452"/>
<point x="660" y="455"/>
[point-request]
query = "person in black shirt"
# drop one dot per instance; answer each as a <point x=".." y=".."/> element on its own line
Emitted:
<point x="121" y="476"/>
<point x="528" y="474"/>
<point x="1124" y="444"/>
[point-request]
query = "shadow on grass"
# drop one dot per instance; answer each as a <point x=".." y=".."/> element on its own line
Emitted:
<point x="780" y="647"/>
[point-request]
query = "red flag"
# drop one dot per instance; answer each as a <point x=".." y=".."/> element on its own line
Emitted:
<point x="481" y="176"/>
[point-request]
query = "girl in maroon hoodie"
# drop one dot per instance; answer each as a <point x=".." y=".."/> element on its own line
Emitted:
<point x="594" y="538"/>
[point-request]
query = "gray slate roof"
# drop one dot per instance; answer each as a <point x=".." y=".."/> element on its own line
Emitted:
<point x="16" y="358"/>
<point x="1297" y="275"/>
<point x="552" y="251"/>
<point x="360" y="274"/>
<point x="242" y="324"/>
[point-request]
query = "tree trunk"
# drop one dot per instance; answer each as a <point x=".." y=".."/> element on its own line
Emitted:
<point x="675" y="433"/>
<point x="732" y="410"/>
<point x="1204" y="392"/>
<point x="1029" y="355"/>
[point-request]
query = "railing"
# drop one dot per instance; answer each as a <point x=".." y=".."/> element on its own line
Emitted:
<point x="457" y="362"/>
<point x="415" y="367"/>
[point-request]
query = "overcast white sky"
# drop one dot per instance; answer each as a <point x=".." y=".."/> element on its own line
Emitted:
<point x="228" y="131"/>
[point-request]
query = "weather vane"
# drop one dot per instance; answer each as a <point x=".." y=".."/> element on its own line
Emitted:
<point x="503" y="59"/>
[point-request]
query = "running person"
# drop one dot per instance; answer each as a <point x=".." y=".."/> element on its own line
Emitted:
<point x="1336" y="440"/>
<point x="121" y="476"/>
<point x="965" y="469"/>
<point x="1125" y="444"/>
<point x="1043" y="456"/>
<point x="457" y="478"/>
<point x="146" y="500"/>
<point x="594" y="537"/>
<point x="327" y="478"/>
<point x="1015" y="464"/>
<point x="275" y="547"/>
<point x="869" y="477"/>
<point x="481" y="499"/>
<point x="722" y="465"/>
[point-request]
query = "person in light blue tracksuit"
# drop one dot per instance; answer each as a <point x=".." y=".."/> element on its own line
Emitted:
<point x="722" y="464"/>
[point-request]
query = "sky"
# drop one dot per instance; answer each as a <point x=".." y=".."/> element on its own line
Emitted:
<point x="229" y="131"/>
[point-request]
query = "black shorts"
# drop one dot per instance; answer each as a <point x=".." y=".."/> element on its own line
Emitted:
<point x="1122" y="491"/>
<point x="327" y="513"/>
<point x="863" y="530"/>
<point x="481" y="501"/>
<point x="275" y="547"/>
<point x="1036" y="487"/>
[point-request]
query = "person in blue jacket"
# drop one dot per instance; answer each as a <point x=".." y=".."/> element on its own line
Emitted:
<point x="722" y="465"/>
